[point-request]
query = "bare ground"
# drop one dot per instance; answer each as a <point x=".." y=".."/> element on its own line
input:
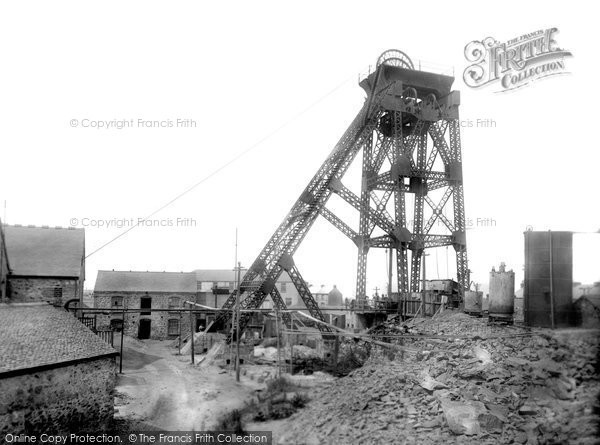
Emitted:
<point x="163" y="390"/>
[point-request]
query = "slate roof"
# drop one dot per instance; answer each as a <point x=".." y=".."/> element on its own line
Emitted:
<point x="223" y="275"/>
<point x="38" y="334"/>
<point x="132" y="281"/>
<point x="212" y="275"/>
<point x="45" y="251"/>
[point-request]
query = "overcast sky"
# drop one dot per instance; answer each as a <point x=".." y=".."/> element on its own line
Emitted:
<point x="280" y="79"/>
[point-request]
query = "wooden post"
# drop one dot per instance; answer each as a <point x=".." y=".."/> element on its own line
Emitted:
<point x="192" y="334"/>
<point x="278" y="343"/>
<point x="389" y="289"/>
<point x="179" y="345"/>
<point x="291" y="337"/>
<point x="336" y="351"/>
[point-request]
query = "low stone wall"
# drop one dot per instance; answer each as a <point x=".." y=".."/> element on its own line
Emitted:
<point x="60" y="400"/>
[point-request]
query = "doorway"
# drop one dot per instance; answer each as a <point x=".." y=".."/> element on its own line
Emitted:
<point x="144" y="329"/>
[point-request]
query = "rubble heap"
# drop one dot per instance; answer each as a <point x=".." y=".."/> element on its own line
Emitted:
<point x="468" y="383"/>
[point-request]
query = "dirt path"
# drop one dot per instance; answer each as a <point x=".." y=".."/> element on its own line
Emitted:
<point x="164" y="390"/>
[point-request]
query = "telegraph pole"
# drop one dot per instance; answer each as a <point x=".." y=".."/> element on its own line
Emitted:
<point x="238" y="270"/>
<point x="237" y="323"/>
<point x="122" y="334"/>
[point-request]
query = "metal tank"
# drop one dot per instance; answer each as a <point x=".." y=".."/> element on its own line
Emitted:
<point x="473" y="300"/>
<point x="548" y="291"/>
<point x="502" y="294"/>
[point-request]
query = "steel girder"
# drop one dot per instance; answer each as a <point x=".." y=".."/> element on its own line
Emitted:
<point x="259" y="281"/>
<point x="396" y="125"/>
<point x="412" y="152"/>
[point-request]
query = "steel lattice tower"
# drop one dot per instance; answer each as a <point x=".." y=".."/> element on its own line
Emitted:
<point x="408" y="131"/>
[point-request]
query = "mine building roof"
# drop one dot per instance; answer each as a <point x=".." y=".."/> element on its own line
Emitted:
<point x="135" y="281"/>
<point x="45" y="251"/>
<point x="38" y="336"/>
<point x="223" y="275"/>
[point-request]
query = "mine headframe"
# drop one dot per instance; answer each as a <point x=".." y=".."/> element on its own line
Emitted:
<point x="407" y="127"/>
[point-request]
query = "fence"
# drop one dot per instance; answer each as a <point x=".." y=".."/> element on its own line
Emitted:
<point x="107" y="336"/>
<point x="89" y="322"/>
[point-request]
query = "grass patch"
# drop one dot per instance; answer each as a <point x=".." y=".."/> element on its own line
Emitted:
<point x="231" y="421"/>
<point x="299" y="401"/>
<point x="280" y="400"/>
<point x="279" y="385"/>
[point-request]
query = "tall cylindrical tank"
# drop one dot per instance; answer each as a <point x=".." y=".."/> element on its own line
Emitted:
<point x="473" y="301"/>
<point x="502" y="293"/>
<point x="548" y="290"/>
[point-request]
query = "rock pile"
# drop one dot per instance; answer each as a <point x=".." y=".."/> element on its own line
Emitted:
<point x="468" y="383"/>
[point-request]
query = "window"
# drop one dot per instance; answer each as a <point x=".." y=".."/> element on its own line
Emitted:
<point x="284" y="287"/>
<point x="288" y="301"/>
<point x="206" y="286"/>
<point x="116" y="302"/>
<point x="173" y="327"/>
<point x="174" y="302"/>
<point x="146" y="303"/>
<point x="231" y="286"/>
<point x="57" y="293"/>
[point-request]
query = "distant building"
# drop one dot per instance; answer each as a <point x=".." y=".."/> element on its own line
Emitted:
<point x="332" y="298"/>
<point x="586" y="290"/>
<point x="146" y="291"/>
<point x="46" y="264"/>
<point x="56" y="376"/>
<point x="215" y="285"/>
<point x="332" y="304"/>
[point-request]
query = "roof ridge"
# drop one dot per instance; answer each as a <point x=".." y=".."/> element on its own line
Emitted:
<point x="43" y="226"/>
<point x="19" y="304"/>
<point x="144" y="271"/>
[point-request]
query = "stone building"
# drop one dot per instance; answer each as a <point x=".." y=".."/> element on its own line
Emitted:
<point x="146" y="293"/>
<point x="56" y="376"/>
<point x="332" y="298"/>
<point x="215" y="285"/>
<point x="46" y="264"/>
<point x="333" y="306"/>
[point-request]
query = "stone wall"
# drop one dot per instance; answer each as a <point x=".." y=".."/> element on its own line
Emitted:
<point x="159" y="319"/>
<point x="31" y="289"/>
<point x="59" y="400"/>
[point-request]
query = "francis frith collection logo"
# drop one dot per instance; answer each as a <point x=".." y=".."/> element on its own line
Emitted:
<point x="515" y="63"/>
